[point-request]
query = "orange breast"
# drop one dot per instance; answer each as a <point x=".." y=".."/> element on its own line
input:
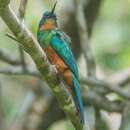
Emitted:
<point x="48" y="25"/>
<point x="60" y="65"/>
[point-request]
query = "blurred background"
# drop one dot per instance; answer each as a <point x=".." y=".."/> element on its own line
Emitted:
<point x="21" y="102"/>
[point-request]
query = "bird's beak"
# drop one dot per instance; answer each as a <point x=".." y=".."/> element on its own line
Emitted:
<point x="53" y="9"/>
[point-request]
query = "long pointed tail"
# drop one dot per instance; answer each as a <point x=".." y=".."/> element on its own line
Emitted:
<point x="78" y="98"/>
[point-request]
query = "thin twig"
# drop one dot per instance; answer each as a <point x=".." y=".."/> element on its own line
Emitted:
<point x="19" y="71"/>
<point x="101" y="102"/>
<point x="23" y="63"/>
<point x="110" y="87"/>
<point x="21" y="15"/>
<point x="11" y="37"/>
<point x="9" y="58"/>
<point x="22" y="9"/>
<point x="22" y="57"/>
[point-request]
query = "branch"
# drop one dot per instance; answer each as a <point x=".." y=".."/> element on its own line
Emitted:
<point x="39" y="104"/>
<point x="68" y="14"/>
<point x="2" y="117"/>
<point x="125" y="123"/>
<point x="101" y="102"/>
<point x="22" y="57"/>
<point x="91" y="10"/>
<point x="9" y="58"/>
<point x="19" y="71"/>
<point x="52" y="115"/>
<point x="110" y="87"/>
<point x="106" y="87"/>
<point x="21" y="15"/>
<point x="11" y="37"/>
<point x="22" y="9"/>
<point x="36" y="105"/>
<point x="121" y="78"/>
<point x="84" y="39"/>
<point x="89" y="96"/>
<point x="23" y="63"/>
<point x="101" y="123"/>
<point x="32" y="47"/>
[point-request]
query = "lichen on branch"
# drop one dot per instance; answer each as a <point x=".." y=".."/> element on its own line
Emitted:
<point x="31" y="46"/>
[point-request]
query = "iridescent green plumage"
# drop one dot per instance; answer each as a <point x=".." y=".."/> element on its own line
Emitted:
<point x="57" y="46"/>
<point x="60" y="43"/>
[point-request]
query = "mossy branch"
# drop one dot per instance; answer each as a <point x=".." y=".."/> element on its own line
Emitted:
<point x="32" y="47"/>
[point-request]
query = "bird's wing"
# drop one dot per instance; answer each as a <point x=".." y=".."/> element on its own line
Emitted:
<point x="60" y="43"/>
<point x="64" y="37"/>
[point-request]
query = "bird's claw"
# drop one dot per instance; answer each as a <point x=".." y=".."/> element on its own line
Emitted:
<point x="53" y="68"/>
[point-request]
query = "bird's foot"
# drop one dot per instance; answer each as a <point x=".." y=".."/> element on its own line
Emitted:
<point x="53" y="69"/>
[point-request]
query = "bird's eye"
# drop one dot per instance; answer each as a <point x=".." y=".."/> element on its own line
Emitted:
<point x="47" y="16"/>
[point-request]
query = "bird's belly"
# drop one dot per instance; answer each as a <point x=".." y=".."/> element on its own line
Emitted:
<point x="61" y="67"/>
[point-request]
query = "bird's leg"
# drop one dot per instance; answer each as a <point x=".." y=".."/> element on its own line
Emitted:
<point x="53" y="69"/>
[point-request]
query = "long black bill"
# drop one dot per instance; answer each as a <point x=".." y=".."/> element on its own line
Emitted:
<point x="53" y="9"/>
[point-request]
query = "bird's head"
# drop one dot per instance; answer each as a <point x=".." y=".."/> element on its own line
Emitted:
<point x="49" y="20"/>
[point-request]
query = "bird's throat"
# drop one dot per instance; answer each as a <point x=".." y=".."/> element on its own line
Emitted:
<point x="48" y="26"/>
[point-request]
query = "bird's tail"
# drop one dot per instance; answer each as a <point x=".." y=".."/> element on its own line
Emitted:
<point x="78" y="98"/>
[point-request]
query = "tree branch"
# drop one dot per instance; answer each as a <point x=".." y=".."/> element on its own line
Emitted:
<point x="106" y="87"/>
<point x="84" y="39"/>
<point x="19" y="71"/>
<point x="21" y="15"/>
<point x="95" y="99"/>
<point x="31" y="46"/>
<point x="2" y="118"/>
<point x="121" y="78"/>
<point x="89" y="96"/>
<point x="125" y="123"/>
<point x="91" y="10"/>
<point x="36" y="105"/>
<point x="9" y="58"/>
<point x="110" y="87"/>
<point x="68" y="14"/>
<point x="22" y="9"/>
<point x="11" y="37"/>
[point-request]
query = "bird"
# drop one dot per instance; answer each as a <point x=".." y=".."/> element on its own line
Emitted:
<point x="57" y="46"/>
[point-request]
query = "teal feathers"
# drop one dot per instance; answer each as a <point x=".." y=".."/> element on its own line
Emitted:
<point x="57" y="47"/>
